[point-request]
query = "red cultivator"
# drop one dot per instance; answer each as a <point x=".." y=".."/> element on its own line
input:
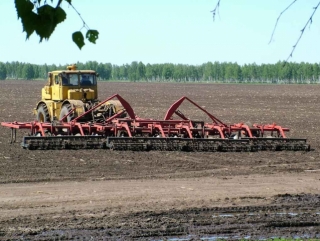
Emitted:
<point x="134" y="133"/>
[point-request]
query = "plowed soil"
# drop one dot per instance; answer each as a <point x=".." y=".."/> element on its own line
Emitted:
<point x="111" y="195"/>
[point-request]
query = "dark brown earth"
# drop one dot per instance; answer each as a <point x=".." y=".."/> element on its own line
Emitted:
<point x="111" y="195"/>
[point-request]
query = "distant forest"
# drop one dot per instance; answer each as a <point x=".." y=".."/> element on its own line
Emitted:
<point x="217" y="72"/>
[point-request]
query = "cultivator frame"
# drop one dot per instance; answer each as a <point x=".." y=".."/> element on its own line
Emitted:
<point x="139" y="134"/>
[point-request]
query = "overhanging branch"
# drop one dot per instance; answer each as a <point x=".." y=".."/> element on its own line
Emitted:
<point x="216" y="10"/>
<point x="309" y="22"/>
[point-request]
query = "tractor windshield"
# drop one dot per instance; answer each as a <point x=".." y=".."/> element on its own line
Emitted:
<point x="86" y="79"/>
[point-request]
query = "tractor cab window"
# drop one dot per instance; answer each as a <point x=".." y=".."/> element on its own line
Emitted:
<point x="87" y="79"/>
<point x="66" y="79"/>
<point x="73" y="79"/>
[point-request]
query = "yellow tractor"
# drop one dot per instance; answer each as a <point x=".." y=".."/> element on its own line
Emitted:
<point x="69" y="94"/>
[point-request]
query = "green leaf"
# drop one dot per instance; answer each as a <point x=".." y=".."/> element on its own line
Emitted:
<point x="46" y="23"/>
<point x="29" y="23"/>
<point x="28" y="17"/>
<point x="23" y="7"/>
<point x="48" y="18"/>
<point x="92" y="35"/>
<point x="60" y="15"/>
<point x="78" y="38"/>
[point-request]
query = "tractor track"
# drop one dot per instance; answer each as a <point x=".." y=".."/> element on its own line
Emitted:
<point x="300" y="218"/>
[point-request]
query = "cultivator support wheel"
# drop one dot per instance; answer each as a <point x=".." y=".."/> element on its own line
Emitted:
<point x="132" y="133"/>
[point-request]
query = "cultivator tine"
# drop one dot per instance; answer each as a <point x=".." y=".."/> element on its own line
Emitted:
<point x="13" y="136"/>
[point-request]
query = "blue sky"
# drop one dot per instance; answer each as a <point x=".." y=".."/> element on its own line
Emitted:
<point x="169" y="31"/>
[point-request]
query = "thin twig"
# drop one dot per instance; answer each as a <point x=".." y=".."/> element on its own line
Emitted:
<point x="84" y="23"/>
<point x="275" y="26"/>
<point x="215" y="10"/>
<point x="58" y="4"/>
<point x="302" y="31"/>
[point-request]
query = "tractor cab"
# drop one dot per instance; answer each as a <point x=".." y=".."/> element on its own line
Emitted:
<point x="71" y="84"/>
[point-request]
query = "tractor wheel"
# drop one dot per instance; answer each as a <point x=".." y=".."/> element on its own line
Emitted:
<point x="64" y="111"/>
<point x="113" y="107"/>
<point x="43" y="113"/>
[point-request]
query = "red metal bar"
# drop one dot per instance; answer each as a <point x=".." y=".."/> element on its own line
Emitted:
<point x="175" y="106"/>
<point x="115" y="116"/>
<point x="41" y="128"/>
<point x="64" y="117"/>
<point x="187" y="128"/>
<point x="80" y="128"/>
<point x="124" y="103"/>
<point x="159" y="127"/>
<point x="126" y="127"/>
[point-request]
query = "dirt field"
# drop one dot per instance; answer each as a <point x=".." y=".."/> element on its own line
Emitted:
<point x="110" y="195"/>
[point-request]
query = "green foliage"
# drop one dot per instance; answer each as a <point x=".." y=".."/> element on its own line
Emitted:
<point x="3" y="71"/>
<point x="216" y="72"/>
<point x="28" y="17"/>
<point x="49" y="18"/>
<point x="28" y="72"/>
<point x="141" y="71"/>
<point x="133" y="71"/>
<point x="92" y="35"/>
<point x="43" y="19"/>
<point x="78" y="38"/>
<point x="43" y="22"/>
<point x="167" y="71"/>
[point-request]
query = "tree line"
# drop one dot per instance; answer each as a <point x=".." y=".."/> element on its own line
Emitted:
<point x="218" y="72"/>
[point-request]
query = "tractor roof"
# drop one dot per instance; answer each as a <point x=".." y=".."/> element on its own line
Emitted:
<point x="73" y="71"/>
